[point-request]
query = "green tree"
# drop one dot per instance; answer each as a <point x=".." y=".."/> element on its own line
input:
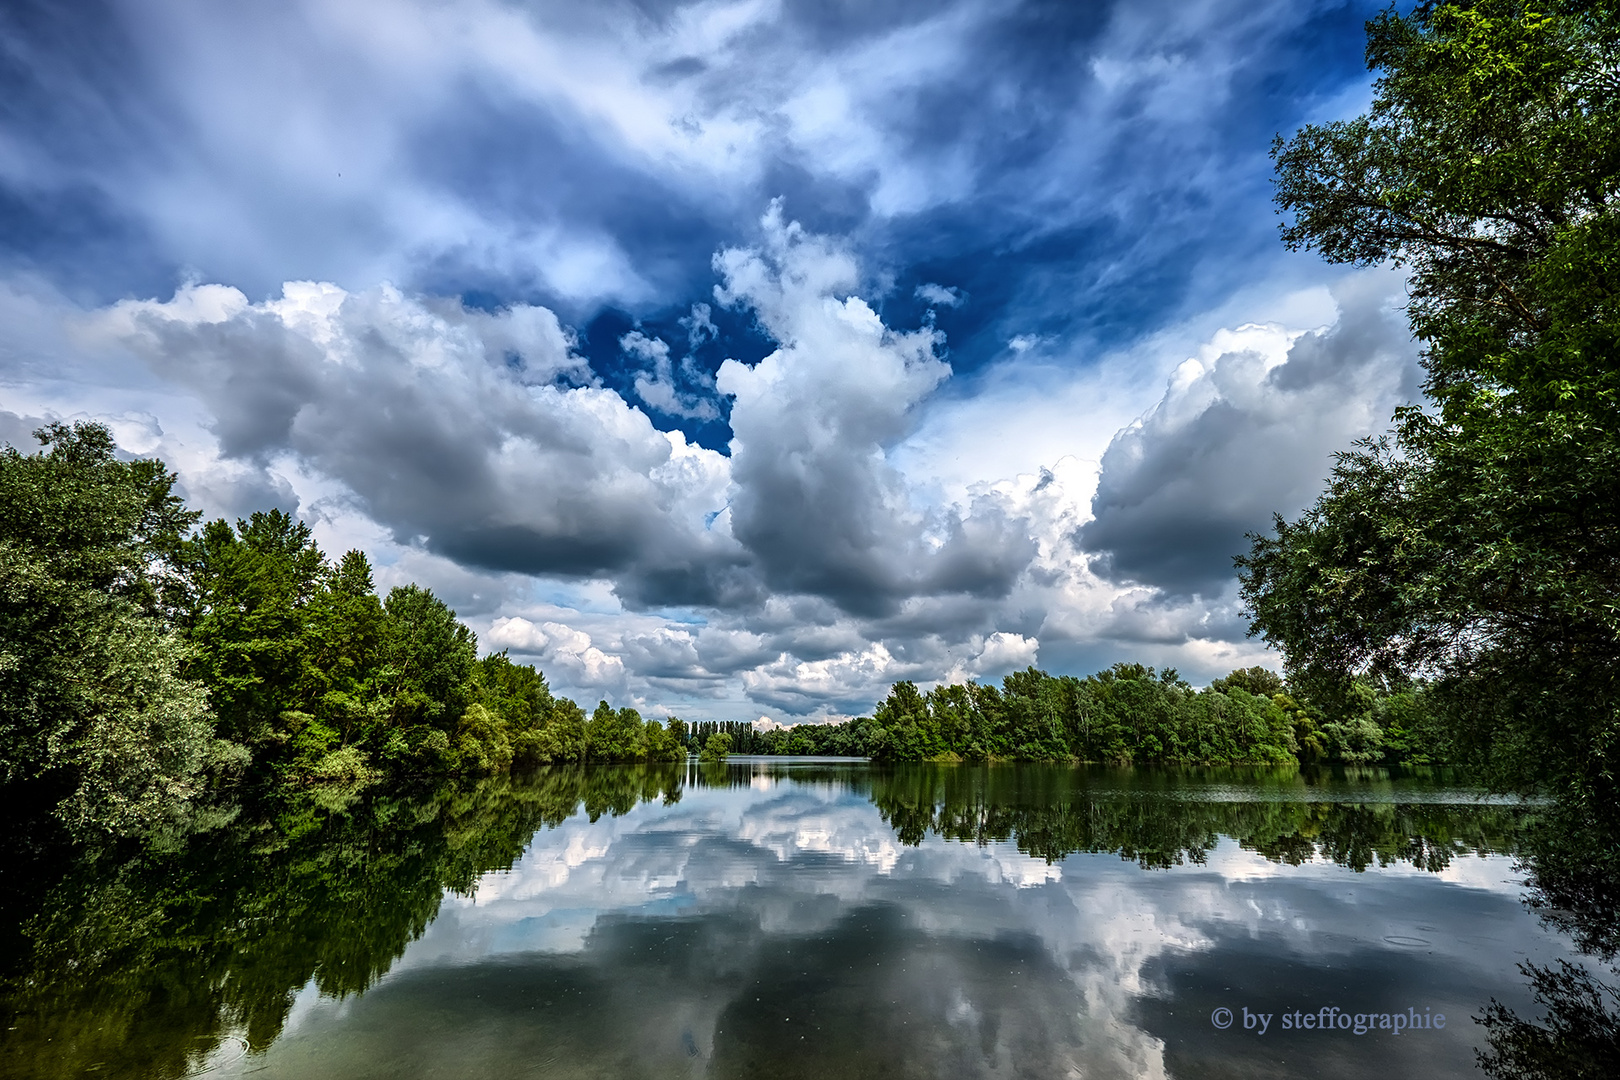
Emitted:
<point x="563" y="736"/>
<point x="1035" y="706"/>
<point x="908" y="732"/>
<point x="1262" y="682"/>
<point x="615" y="734"/>
<point x="1479" y="543"/>
<point x="251" y="588"/>
<point x="96" y="717"/>
<point x="428" y="656"/>
<point x="341" y="635"/>
<point x="717" y="747"/>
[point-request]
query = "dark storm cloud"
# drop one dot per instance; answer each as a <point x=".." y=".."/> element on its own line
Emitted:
<point x="1240" y="437"/>
<point x="832" y="532"/>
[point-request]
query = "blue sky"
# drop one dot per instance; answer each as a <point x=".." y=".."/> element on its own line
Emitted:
<point x="726" y="359"/>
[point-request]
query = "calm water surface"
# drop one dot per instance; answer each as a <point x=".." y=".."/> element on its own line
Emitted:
<point x="772" y="918"/>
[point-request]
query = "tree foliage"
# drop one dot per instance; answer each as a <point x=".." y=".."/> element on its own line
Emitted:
<point x="1478" y="543"/>
<point x="1127" y="714"/>
<point x="95" y="715"/>
<point x="142" y="662"/>
<point x="716" y="747"/>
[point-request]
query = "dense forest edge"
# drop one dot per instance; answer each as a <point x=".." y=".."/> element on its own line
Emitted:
<point x="151" y="661"/>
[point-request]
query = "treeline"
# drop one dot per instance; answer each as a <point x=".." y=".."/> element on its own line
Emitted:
<point x="320" y="678"/>
<point x="147" y="660"/>
<point x="1128" y="714"/>
<point x="144" y="661"/>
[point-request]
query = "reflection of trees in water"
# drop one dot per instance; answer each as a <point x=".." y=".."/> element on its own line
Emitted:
<point x="1579" y="1037"/>
<point x="1048" y="818"/>
<point x="1574" y="878"/>
<point x="143" y="963"/>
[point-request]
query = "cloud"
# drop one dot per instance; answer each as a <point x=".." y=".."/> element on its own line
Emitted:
<point x="484" y="437"/>
<point x="941" y="295"/>
<point x="832" y="688"/>
<point x="814" y="496"/>
<point x="18" y="431"/>
<point x="658" y="388"/>
<point x="1082" y="167"/>
<point x="853" y="681"/>
<point x="1004" y="653"/>
<point x="568" y="655"/>
<point x="484" y="441"/>
<point x="1245" y="430"/>
<point x="464" y="430"/>
<point x="864" y="527"/>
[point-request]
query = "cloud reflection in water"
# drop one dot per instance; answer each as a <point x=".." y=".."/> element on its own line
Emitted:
<point x="778" y="928"/>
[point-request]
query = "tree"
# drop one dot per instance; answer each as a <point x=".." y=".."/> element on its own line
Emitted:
<point x="1259" y="681"/>
<point x="96" y="718"/>
<point x="250" y="590"/>
<point x="342" y="637"/>
<point x="1579" y="1036"/>
<point x="1478" y="544"/>
<point x="717" y="747"/>
<point x="429" y="657"/>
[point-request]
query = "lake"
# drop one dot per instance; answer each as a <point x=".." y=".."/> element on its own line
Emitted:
<point x="792" y="918"/>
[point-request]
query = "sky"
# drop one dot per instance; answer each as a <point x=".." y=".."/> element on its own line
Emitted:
<point x="724" y="360"/>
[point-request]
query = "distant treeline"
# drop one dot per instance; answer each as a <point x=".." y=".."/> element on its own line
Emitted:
<point x="1129" y="713"/>
<point x="146" y="660"/>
